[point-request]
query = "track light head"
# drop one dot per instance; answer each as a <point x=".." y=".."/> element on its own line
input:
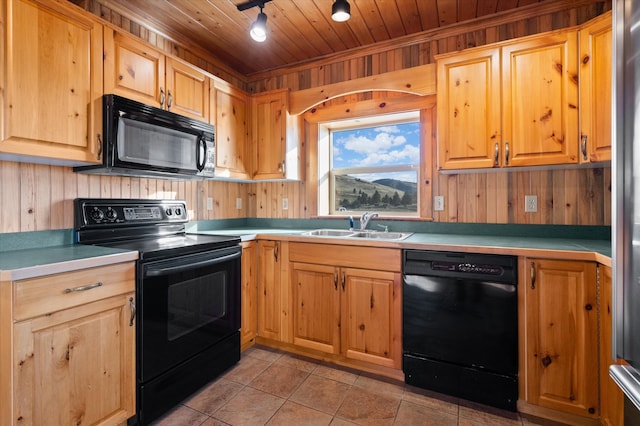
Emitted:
<point x="340" y="11"/>
<point x="258" y="30"/>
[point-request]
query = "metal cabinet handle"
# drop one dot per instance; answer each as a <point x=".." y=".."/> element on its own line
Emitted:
<point x="162" y="97"/>
<point x="169" y="101"/>
<point x="343" y="280"/>
<point x="533" y="276"/>
<point x="335" y="280"/>
<point x="275" y="252"/>
<point x="132" y="306"/>
<point x="284" y="168"/>
<point x="506" y="153"/>
<point x="496" y="155"/>
<point x="583" y="147"/>
<point x="83" y="288"/>
<point x="99" y="138"/>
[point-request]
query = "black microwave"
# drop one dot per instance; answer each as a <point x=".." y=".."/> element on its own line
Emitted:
<point x="141" y="140"/>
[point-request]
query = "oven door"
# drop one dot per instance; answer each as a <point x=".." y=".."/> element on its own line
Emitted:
<point x="186" y="305"/>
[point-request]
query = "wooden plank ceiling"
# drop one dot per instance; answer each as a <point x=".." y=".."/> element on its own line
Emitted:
<point x="299" y="30"/>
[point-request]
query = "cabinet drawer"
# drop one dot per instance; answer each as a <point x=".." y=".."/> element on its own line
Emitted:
<point x="43" y="295"/>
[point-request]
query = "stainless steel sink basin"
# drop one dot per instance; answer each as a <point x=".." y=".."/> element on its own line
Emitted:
<point x="329" y="233"/>
<point x="344" y="233"/>
<point x="379" y="235"/>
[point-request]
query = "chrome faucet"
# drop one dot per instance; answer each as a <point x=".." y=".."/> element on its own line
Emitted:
<point x="365" y="218"/>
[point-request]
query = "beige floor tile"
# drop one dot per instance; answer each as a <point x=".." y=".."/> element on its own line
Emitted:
<point x="279" y="380"/>
<point x="363" y="407"/>
<point x="321" y="393"/>
<point x="246" y="370"/>
<point x="249" y="407"/>
<point x="339" y="375"/>
<point x="263" y="354"/>
<point x="183" y="416"/>
<point x="393" y="388"/>
<point x="415" y="414"/>
<point x="472" y="414"/>
<point x="293" y="414"/>
<point x="431" y="400"/>
<point x="300" y="363"/>
<point x="209" y="399"/>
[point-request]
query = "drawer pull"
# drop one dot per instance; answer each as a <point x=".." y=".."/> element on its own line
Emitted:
<point x="133" y="311"/>
<point x="83" y="288"/>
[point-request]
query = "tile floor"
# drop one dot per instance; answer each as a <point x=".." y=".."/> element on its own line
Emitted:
<point x="269" y="387"/>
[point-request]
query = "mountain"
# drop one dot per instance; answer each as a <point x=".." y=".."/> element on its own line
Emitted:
<point x="401" y="185"/>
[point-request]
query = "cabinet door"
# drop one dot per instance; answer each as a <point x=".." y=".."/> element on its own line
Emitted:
<point x="187" y="90"/>
<point x="562" y="336"/>
<point x="469" y="110"/>
<point x="612" y="398"/>
<point x="269" y="131"/>
<point x="371" y="316"/>
<point x="595" y="91"/>
<point x="53" y="82"/>
<point x="316" y="306"/>
<point x="269" y="290"/>
<point x="133" y="69"/>
<point x="76" y="366"/>
<point x="232" y="134"/>
<point x="249" y="315"/>
<point x="540" y="100"/>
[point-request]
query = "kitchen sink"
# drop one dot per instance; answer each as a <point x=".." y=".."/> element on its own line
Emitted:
<point x="344" y="233"/>
<point x="329" y="233"/>
<point x="380" y="235"/>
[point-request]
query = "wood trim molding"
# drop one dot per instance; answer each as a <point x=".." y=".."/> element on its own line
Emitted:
<point x="419" y="81"/>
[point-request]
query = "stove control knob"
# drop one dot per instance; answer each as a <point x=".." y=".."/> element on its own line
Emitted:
<point x="178" y="211"/>
<point x="97" y="214"/>
<point x="169" y="212"/>
<point x="112" y="214"/>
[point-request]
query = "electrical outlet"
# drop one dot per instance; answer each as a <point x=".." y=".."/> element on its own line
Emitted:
<point x="530" y="203"/>
<point x="209" y="203"/>
<point x="438" y="203"/>
<point x="285" y="204"/>
<point x="238" y="203"/>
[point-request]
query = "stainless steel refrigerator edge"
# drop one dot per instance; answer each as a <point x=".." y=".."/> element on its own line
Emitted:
<point x="626" y="199"/>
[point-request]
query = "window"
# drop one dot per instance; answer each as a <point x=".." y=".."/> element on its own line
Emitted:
<point x="371" y="164"/>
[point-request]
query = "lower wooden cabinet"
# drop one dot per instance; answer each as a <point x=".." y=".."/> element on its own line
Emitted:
<point x="272" y="313"/>
<point x="249" y="294"/>
<point x="350" y="311"/>
<point x="561" y="336"/>
<point x="74" y="365"/>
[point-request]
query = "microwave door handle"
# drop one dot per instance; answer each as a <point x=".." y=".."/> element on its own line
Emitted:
<point x="157" y="272"/>
<point x="201" y="153"/>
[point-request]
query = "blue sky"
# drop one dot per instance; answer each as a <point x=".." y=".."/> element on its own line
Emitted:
<point x="378" y="146"/>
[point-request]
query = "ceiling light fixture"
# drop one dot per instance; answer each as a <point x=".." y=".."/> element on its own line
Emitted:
<point x="258" y="30"/>
<point x="340" y="11"/>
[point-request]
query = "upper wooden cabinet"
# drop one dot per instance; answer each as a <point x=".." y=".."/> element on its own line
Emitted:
<point x="468" y="87"/>
<point x="561" y="336"/>
<point x="510" y="105"/>
<point x="230" y="115"/>
<point x="133" y="69"/>
<point x="52" y="83"/>
<point x="595" y="90"/>
<point x="275" y="137"/>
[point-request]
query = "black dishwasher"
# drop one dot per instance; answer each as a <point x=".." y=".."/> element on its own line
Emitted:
<point x="460" y="325"/>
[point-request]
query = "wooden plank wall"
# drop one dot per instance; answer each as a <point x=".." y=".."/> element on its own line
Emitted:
<point x="38" y="197"/>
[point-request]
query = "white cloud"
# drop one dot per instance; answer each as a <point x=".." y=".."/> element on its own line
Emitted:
<point x="387" y="129"/>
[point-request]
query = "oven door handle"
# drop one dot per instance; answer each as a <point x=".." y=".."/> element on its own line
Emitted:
<point x="156" y="272"/>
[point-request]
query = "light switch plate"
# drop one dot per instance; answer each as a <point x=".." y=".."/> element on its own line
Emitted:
<point x="285" y="204"/>
<point x="209" y="203"/>
<point x="238" y="203"/>
<point x="438" y="203"/>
